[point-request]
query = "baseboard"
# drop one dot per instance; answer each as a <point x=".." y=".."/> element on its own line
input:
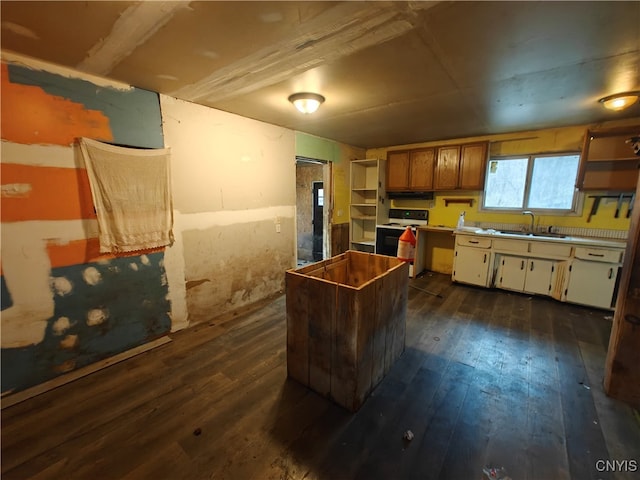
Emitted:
<point x="14" y="398"/>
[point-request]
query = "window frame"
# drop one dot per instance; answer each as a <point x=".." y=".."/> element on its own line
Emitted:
<point x="578" y="197"/>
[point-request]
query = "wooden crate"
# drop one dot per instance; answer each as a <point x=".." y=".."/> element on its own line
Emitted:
<point x="346" y="320"/>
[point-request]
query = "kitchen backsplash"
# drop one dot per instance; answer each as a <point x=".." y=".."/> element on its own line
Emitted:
<point x="569" y="231"/>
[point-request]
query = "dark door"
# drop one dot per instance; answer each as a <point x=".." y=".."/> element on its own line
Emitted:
<point x="318" y="219"/>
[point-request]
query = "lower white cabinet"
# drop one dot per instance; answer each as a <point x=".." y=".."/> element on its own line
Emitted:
<point x="539" y="276"/>
<point x="471" y="265"/>
<point x="568" y="272"/>
<point x="591" y="283"/>
<point x="531" y="275"/>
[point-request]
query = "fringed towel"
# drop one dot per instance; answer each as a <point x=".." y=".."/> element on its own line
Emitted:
<point x="131" y="194"/>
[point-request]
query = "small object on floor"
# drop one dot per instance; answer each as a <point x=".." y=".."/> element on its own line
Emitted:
<point x="197" y="431"/>
<point x="408" y="435"/>
<point x="496" y="473"/>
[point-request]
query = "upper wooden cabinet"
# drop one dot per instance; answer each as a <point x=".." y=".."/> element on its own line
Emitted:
<point x="449" y="167"/>
<point x="473" y="164"/>
<point x="461" y="167"/>
<point x="410" y="170"/>
<point x="608" y="161"/>
<point x="397" y="171"/>
<point x="421" y="164"/>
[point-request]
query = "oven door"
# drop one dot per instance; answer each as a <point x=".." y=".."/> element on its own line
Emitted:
<point x="387" y="241"/>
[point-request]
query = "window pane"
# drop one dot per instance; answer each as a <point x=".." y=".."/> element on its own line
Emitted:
<point x="505" y="183"/>
<point x="553" y="182"/>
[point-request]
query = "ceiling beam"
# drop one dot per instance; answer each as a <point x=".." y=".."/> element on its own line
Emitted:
<point x="338" y="32"/>
<point x="134" y="27"/>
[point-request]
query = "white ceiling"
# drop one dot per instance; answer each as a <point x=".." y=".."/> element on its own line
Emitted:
<point x="392" y="72"/>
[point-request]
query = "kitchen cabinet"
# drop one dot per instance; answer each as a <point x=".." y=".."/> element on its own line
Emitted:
<point x="591" y="283"/>
<point x="570" y="270"/>
<point x="421" y="165"/>
<point x="367" y="205"/>
<point x="397" y="171"/>
<point x="450" y="167"/>
<point x="410" y="170"/>
<point x="473" y="164"/>
<point x="530" y="275"/>
<point x="472" y="258"/>
<point x="593" y="275"/>
<point x="608" y="161"/>
<point x="447" y="166"/>
<point x="461" y="167"/>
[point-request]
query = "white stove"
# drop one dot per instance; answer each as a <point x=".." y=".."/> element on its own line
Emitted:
<point x="387" y="234"/>
<point x="401" y="219"/>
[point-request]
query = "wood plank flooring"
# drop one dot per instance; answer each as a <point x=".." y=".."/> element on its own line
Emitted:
<point x="487" y="378"/>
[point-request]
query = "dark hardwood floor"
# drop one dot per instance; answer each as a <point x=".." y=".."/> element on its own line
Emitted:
<point x="487" y="378"/>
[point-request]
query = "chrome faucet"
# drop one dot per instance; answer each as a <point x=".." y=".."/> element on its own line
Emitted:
<point x="533" y="218"/>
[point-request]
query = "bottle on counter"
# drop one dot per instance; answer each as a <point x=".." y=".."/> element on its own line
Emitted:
<point x="461" y="220"/>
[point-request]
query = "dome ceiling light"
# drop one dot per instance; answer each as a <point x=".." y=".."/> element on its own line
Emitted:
<point x="620" y="101"/>
<point x="306" y="102"/>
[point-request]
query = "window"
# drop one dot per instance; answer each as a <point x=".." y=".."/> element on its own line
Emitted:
<point x="534" y="182"/>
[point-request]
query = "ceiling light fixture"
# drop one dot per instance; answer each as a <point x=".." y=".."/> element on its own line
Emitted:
<point x="620" y="101"/>
<point x="306" y="102"/>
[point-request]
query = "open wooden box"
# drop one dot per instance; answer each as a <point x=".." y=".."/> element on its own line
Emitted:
<point x="346" y="321"/>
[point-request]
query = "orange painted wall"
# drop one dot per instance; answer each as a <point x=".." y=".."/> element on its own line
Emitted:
<point x="78" y="252"/>
<point x="32" y="116"/>
<point x="56" y="193"/>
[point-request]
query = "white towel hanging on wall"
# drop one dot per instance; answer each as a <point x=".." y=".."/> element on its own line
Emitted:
<point x="131" y="190"/>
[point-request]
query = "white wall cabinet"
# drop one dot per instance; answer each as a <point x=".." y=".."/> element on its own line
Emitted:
<point x="472" y="260"/>
<point x="368" y="206"/>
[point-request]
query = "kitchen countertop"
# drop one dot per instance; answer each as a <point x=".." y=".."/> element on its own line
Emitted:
<point x="540" y="237"/>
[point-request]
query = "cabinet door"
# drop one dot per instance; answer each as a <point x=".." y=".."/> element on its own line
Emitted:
<point x="447" y="165"/>
<point x="512" y="272"/>
<point x="471" y="265"/>
<point x="538" y="279"/>
<point x="473" y="161"/>
<point x="397" y="170"/>
<point x="421" y="165"/>
<point x="591" y="283"/>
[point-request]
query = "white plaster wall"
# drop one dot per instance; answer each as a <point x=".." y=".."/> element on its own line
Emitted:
<point x="231" y="178"/>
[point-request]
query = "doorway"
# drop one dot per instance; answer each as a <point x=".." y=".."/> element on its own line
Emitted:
<point x="313" y="180"/>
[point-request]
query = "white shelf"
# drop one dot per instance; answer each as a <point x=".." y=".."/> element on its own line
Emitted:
<point x="367" y="203"/>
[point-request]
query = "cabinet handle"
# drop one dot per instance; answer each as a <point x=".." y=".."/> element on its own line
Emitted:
<point x="474" y="241"/>
<point x="522" y="265"/>
<point x="610" y="273"/>
<point x="485" y="258"/>
<point x="531" y="267"/>
<point x="596" y="254"/>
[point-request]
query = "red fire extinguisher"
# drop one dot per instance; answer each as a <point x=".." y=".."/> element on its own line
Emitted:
<point x="406" y="245"/>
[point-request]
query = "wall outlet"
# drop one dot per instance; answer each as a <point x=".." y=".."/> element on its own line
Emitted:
<point x="278" y="228"/>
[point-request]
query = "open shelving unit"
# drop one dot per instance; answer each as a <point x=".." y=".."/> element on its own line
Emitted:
<point x="368" y="204"/>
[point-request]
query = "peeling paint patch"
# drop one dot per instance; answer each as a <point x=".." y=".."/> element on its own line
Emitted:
<point x="97" y="316"/>
<point x="91" y="276"/>
<point x="61" y="325"/>
<point x="195" y="283"/>
<point x="61" y="286"/>
<point x="45" y="200"/>
<point x="69" y="342"/>
<point x="12" y="190"/>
